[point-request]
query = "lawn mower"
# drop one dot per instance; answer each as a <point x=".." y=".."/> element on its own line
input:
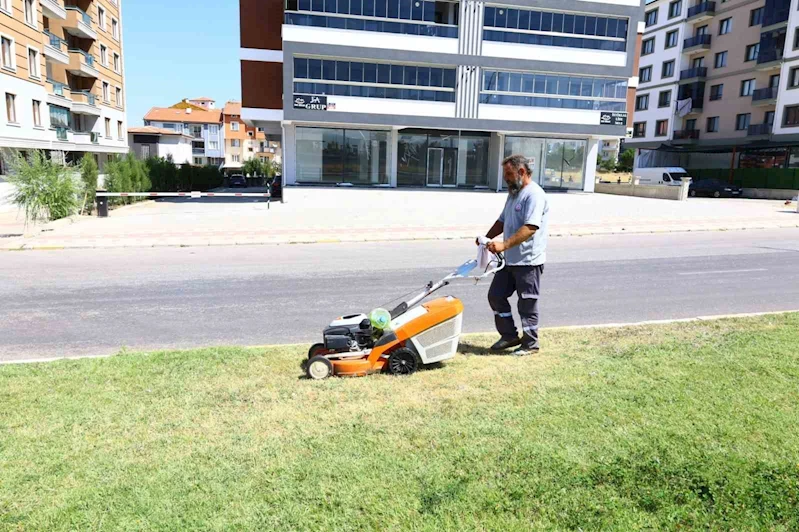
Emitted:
<point x="401" y="341"/>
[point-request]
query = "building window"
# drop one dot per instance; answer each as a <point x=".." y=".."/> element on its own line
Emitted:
<point x="648" y="46"/>
<point x="790" y="116"/>
<point x="651" y="17"/>
<point x="713" y="124"/>
<point x="11" y="108"/>
<point x="768" y="118"/>
<point x="725" y="26"/>
<point x="234" y="126"/>
<point x="793" y="77"/>
<point x="235" y="158"/>
<point x="721" y="60"/>
<point x="4" y="6"/>
<point x="747" y="87"/>
<point x="327" y="155"/>
<point x="642" y="102"/>
<point x="690" y="125"/>
<point x="101" y="17"/>
<point x="751" y="52"/>
<point x="119" y="129"/>
<point x="106" y="93"/>
<point x="716" y="92"/>
<point x="104" y="55"/>
<point x="661" y="128"/>
<point x="115" y="28"/>
<point x="671" y="39"/>
<point x="7" y="46"/>
<point x="37" y="113"/>
<point x="756" y="16"/>
<point x="668" y="69"/>
<point x="30" y="13"/>
<point x="213" y="129"/>
<point x="235" y="143"/>
<point x="645" y="74"/>
<point x="116" y="63"/>
<point x="213" y="145"/>
<point x="118" y="95"/>
<point x="675" y="8"/>
<point x="546" y="90"/>
<point x="108" y="128"/>
<point x="742" y="121"/>
<point x="664" y="99"/>
<point x="33" y="63"/>
<point x="198" y="161"/>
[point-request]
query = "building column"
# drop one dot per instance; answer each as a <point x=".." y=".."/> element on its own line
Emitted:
<point x="496" y="145"/>
<point x="289" y="147"/>
<point x="393" y="150"/>
<point x="590" y="165"/>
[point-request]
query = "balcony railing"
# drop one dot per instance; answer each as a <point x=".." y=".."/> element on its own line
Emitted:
<point x="61" y="133"/>
<point x="94" y="137"/>
<point x="758" y="129"/>
<point x="698" y="72"/>
<point x="86" y="18"/>
<point x="767" y="93"/>
<point x="58" y="88"/>
<point x="198" y="151"/>
<point x="686" y="134"/>
<point x="87" y="58"/>
<point x="704" y="7"/>
<point x="86" y="96"/>
<point x="55" y="41"/>
<point x="769" y="54"/>
<point x="697" y="40"/>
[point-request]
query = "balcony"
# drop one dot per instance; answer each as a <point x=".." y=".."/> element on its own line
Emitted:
<point x="79" y="23"/>
<point x="770" y="58"/>
<point x="696" y="44"/>
<point x="82" y="64"/>
<point x="59" y="94"/>
<point x="53" y="9"/>
<point x="765" y="96"/>
<point x="693" y="74"/>
<point x="775" y="14"/>
<point x="198" y="151"/>
<point x="84" y="103"/>
<point x="55" y="49"/>
<point x="759" y="130"/>
<point x="685" y="135"/>
<point x="700" y="12"/>
<point x="61" y="134"/>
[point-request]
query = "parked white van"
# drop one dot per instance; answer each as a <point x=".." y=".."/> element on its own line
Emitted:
<point x="663" y="175"/>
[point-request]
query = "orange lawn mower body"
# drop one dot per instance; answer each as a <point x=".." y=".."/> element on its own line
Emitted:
<point x="417" y="335"/>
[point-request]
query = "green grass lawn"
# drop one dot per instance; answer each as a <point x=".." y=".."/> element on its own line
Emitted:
<point x="662" y="427"/>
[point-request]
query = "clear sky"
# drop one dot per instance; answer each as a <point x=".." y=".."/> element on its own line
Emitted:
<point x="177" y="49"/>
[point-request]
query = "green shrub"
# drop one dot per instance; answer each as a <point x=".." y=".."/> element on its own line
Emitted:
<point x="163" y="175"/>
<point x="626" y="160"/>
<point x="253" y="167"/>
<point x="608" y="164"/>
<point x="128" y="174"/>
<point x="44" y="189"/>
<point x="88" y="174"/>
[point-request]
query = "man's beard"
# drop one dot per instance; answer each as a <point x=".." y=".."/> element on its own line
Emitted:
<point x="515" y="186"/>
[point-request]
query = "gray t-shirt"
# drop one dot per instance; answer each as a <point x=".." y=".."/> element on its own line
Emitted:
<point x="528" y="207"/>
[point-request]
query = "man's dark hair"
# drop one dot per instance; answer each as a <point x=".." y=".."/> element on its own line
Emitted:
<point x="518" y="161"/>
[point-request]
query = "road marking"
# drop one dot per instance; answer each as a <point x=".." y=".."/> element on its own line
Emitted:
<point x="723" y="271"/>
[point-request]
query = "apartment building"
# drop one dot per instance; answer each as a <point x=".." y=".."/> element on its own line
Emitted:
<point x="435" y="93"/>
<point x="719" y="77"/>
<point x="62" y="77"/>
<point x="198" y="118"/>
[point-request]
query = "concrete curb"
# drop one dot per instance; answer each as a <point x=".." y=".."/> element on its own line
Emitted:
<point x="118" y="243"/>
<point x="561" y="328"/>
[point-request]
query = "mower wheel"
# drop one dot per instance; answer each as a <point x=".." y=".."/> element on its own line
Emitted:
<point x="402" y="361"/>
<point x="319" y="368"/>
<point x="317" y="349"/>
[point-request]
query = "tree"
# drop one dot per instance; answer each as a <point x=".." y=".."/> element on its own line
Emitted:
<point x="88" y="174"/>
<point x="253" y="167"/>
<point x="45" y="189"/>
<point x="626" y="160"/>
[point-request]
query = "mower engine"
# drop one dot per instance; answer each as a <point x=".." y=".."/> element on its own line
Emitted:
<point x="349" y="333"/>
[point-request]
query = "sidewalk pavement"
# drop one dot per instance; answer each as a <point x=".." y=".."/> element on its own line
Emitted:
<point x="314" y="215"/>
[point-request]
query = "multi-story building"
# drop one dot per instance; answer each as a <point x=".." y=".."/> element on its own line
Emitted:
<point x="718" y="76"/>
<point x="198" y="118"/>
<point x="241" y="141"/>
<point x="426" y="93"/>
<point x="62" y="77"/>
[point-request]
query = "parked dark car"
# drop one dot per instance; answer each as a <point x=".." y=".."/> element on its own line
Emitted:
<point x="238" y="180"/>
<point x="714" y="188"/>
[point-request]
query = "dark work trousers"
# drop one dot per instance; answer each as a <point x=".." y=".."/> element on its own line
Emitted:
<point x="525" y="281"/>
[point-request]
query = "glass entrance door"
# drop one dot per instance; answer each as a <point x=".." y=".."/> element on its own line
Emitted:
<point x="435" y="166"/>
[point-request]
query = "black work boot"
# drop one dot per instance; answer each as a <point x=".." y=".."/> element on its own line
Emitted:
<point x="506" y="343"/>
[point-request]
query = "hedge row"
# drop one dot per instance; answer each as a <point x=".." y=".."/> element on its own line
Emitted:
<point x="774" y="178"/>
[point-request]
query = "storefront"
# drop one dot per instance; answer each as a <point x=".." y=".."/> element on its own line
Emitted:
<point x="413" y="157"/>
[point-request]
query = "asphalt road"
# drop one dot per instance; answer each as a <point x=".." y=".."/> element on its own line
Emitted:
<point x="73" y="303"/>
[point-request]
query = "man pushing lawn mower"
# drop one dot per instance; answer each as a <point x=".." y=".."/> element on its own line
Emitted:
<point x="523" y="224"/>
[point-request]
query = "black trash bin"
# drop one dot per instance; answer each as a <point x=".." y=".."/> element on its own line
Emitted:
<point x="102" y="206"/>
